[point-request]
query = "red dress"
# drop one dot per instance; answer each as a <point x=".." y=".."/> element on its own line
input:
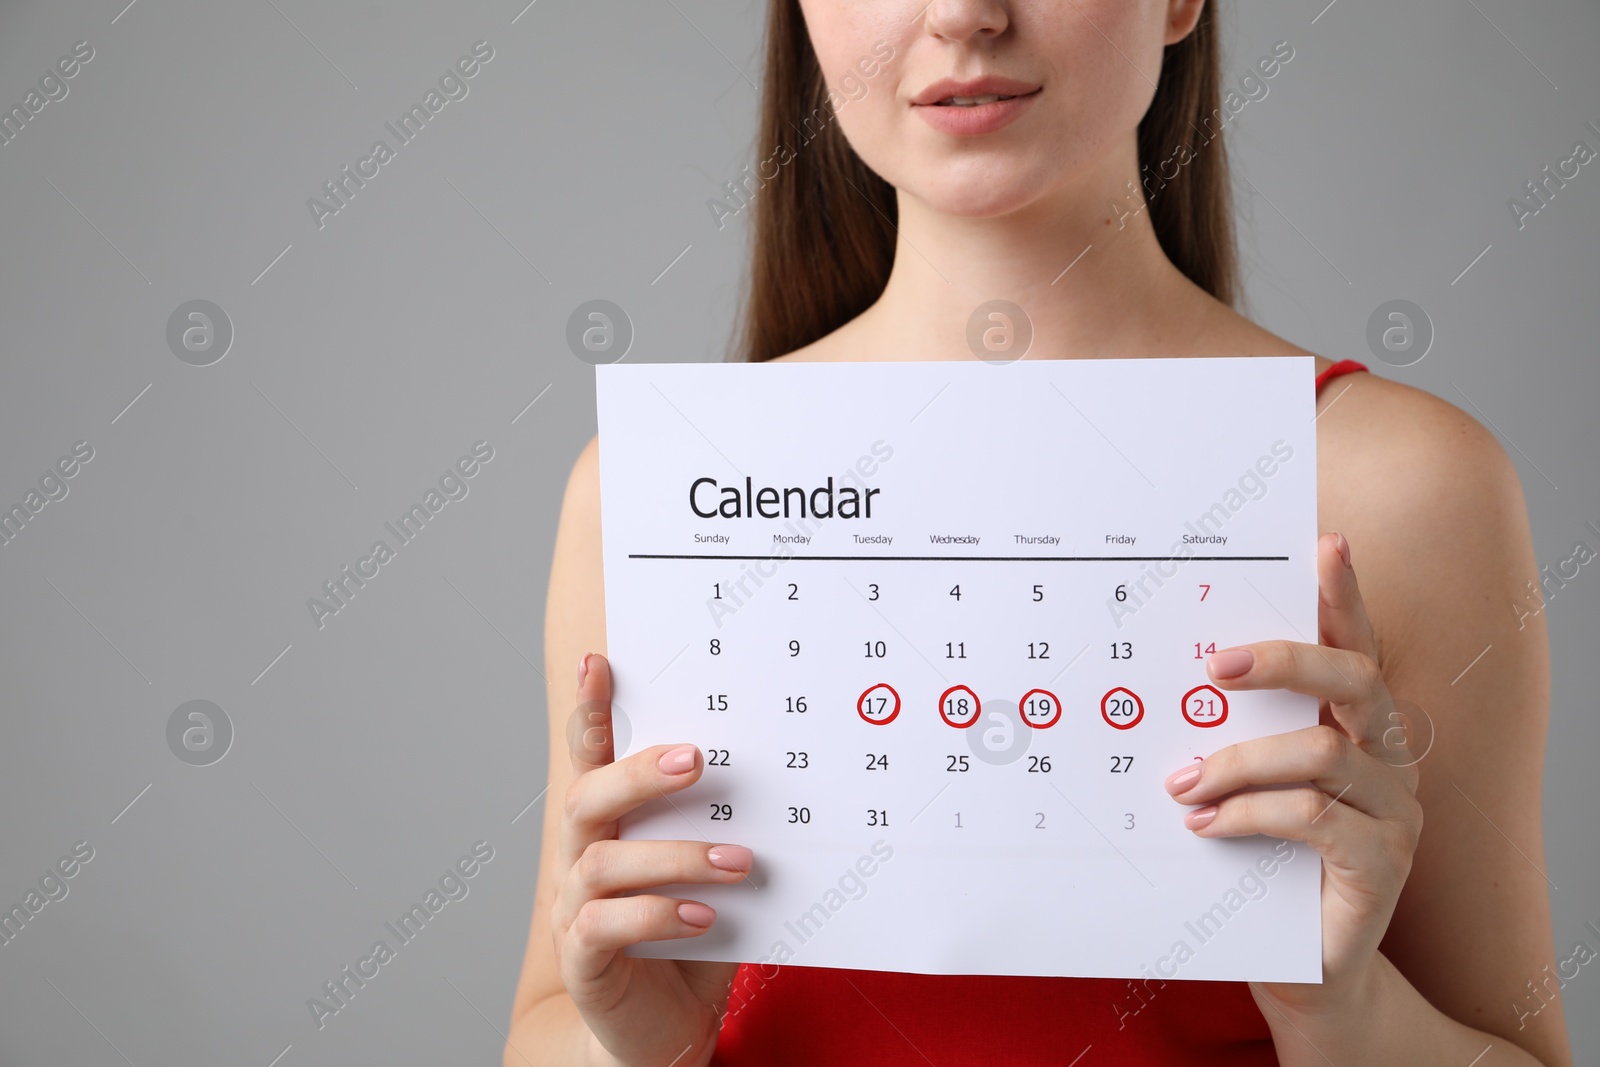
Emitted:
<point x="822" y="1017"/>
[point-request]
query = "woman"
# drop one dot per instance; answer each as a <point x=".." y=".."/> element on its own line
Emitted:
<point x="1067" y="156"/>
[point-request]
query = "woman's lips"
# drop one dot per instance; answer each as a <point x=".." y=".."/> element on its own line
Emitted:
<point x="975" y="119"/>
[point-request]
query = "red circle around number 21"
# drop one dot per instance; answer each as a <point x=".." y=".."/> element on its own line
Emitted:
<point x="1205" y="705"/>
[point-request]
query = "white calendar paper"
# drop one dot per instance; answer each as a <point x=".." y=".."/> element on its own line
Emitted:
<point x="939" y="629"/>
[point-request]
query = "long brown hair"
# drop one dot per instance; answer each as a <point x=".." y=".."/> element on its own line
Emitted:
<point x="823" y="237"/>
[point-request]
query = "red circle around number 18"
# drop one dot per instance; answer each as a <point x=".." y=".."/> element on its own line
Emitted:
<point x="876" y="707"/>
<point x="960" y="716"/>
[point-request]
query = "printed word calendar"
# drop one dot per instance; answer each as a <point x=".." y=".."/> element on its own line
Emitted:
<point x="939" y="630"/>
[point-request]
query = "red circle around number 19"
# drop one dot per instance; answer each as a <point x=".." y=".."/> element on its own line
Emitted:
<point x="878" y="708"/>
<point x="1040" y="708"/>
<point x="1205" y="705"/>
<point x="963" y="709"/>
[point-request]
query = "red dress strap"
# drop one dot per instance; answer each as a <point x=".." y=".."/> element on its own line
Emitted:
<point x="1343" y="367"/>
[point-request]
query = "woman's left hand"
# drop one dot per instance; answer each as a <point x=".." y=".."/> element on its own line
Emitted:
<point x="1355" y="803"/>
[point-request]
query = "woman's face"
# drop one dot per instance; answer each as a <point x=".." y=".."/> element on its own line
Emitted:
<point x="1081" y="73"/>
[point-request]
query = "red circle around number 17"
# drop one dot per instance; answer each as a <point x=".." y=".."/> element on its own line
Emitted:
<point x="888" y="710"/>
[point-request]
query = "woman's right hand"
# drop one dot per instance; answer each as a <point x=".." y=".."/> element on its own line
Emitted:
<point x="639" y="1011"/>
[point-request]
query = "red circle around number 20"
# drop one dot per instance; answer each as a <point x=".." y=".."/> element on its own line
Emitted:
<point x="1122" y="708"/>
<point x="878" y="708"/>
<point x="1205" y="705"/>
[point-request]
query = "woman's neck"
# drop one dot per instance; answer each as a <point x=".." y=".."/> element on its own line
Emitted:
<point x="1086" y="267"/>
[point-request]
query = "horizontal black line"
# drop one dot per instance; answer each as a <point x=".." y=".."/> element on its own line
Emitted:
<point x="976" y="559"/>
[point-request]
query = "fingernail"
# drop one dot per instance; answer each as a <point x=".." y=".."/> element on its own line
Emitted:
<point x="1178" y="781"/>
<point x="1200" y="817"/>
<point x="696" y="914"/>
<point x="583" y="667"/>
<point x="1344" y="548"/>
<point x="677" y="760"/>
<point x="731" y="857"/>
<point x="1232" y="663"/>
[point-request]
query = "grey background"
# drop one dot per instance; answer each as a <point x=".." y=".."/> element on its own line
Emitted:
<point x="426" y="316"/>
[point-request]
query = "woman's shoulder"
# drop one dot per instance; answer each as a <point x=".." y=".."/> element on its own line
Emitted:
<point x="1433" y="509"/>
<point x="583" y="480"/>
<point x="1397" y="443"/>
<point x="577" y="543"/>
<point x="1389" y="440"/>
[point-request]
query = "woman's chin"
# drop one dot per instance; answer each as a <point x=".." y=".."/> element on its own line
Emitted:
<point x="976" y="199"/>
<point x="974" y="187"/>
